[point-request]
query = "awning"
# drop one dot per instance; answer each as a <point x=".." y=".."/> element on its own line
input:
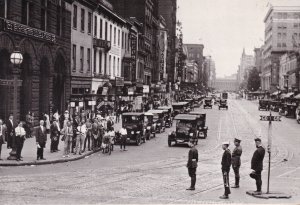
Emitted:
<point x="276" y="93"/>
<point x="297" y="97"/>
<point x="288" y="95"/>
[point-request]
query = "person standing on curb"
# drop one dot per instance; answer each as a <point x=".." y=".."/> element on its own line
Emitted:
<point x="257" y="164"/>
<point x="41" y="139"/>
<point x="236" y="161"/>
<point x="67" y="138"/>
<point x="226" y="163"/>
<point x="81" y="133"/>
<point x="54" y="136"/>
<point x="10" y="131"/>
<point x="192" y="165"/>
<point x="123" y="133"/>
<point x="2" y="135"/>
<point x="20" y="138"/>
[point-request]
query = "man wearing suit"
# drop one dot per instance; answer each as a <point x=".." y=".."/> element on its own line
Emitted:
<point x="257" y="164"/>
<point x="2" y="135"/>
<point x="41" y="139"/>
<point x="226" y="163"/>
<point x="54" y="136"/>
<point x="192" y="165"/>
<point x="10" y="131"/>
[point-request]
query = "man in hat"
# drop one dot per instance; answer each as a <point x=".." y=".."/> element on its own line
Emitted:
<point x="192" y="165"/>
<point x="257" y="164"/>
<point x="236" y="161"/>
<point x="226" y="163"/>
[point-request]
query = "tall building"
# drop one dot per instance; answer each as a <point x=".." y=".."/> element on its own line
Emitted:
<point x="282" y="34"/>
<point x="209" y="70"/>
<point x="246" y="63"/>
<point x="168" y="10"/>
<point x="41" y="31"/>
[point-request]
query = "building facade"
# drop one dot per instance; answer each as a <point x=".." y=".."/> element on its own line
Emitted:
<point x="289" y="72"/>
<point x="41" y="31"/>
<point x="246" y="63"/>
<point x="282" y="35"/>
<point x="225" y="84"/>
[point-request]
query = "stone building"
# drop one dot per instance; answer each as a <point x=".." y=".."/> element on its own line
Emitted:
<point x="41" y="31"/>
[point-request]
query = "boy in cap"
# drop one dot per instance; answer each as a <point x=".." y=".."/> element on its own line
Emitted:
<point x="226" y="163"/>
<point x="236" y="161"/>
<point x="257" y="164"/>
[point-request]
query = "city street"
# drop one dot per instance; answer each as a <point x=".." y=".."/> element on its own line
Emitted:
<point x="156" y="173"/>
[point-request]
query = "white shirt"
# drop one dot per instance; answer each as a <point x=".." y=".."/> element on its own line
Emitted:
<point x="12" y="123"/>
<point x="20" y="131"/>
<point x="82" y="129"/>
<point x="123" y="131"/>
<point x="42" y="127"/>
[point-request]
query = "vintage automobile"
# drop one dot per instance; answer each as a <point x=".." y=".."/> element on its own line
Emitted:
<point x="179" y="108"/>
<point x="264" y="104"/>
<point x="159" y="119"/>
<point x="186" y="130"/>
<point x="224" y="95"/>
<point x="217" y="100"/>
<point x="150" y="131"/>
<point x="298" y="114"/>
<point x="207" y="103"/>
<point x="190" y="104"/>
<point x="169" y="115"/>
<point x="201" y="124"/>
<point x="223" y="104"/>
<point x="291" y="110"/>
<point x="135" y="126"/>
<point x="275" y="105"/>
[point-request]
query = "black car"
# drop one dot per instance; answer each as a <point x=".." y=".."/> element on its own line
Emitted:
<point x="135" y="126"/>
<point x="264" y="104"/>
<point x="223" y="104"/>
<point x="207" y="103"/>
<point x="201" y="124"/>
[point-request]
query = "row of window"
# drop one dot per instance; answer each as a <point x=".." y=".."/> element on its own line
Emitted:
<point x="88" y="58"/>
<point x="284" y="15"/>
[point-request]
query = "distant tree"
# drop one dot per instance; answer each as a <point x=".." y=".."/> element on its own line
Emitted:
<point x="253" y="82"/>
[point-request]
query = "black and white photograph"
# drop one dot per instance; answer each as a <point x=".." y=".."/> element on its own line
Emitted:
<point x="149" y="102"/>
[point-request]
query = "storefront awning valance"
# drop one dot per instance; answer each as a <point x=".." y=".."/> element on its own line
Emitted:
<point x="276" y="93"/>
<point x="288" y="95"/>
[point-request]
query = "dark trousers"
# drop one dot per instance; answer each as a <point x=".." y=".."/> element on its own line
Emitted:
<point x="73" y="143"/>
<point x="226" y="182"/>
<point x="87" y="140"/>
<point x="19" y="146"/>
<point x="236" y="170"/>
<point x="123" y="142"/>
<point x="9" y="140"/>
<point x="40" y="151"/>
<point x="0" y="149"/>
<point x="192" y="174"/>
<point x="258" y="180"/>
<point x="117" y="118"/>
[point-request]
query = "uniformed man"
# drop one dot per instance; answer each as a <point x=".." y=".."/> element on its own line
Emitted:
<point x="192" y="165"/>
<point x="257" y="164"/>
<point x="226" y="163"/>
<point x="236" y="161"/>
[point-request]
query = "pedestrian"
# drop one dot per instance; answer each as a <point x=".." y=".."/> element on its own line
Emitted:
<point x="236" y="161"/>
<point x="54" y="136"/>
<point x="257" y="164"/>
<point x="2" y="135"/>
<point x="81" y="134"/>
<point x="192" y="165"/>
<point x="76" y="122"/>
<point x="29" y="123"/>
<point x="118" y="114"/>
<point x="88" y="137"/>
<point x="226" y="163"/>
<point x="19" y="140"/>
<point x="41" y="139"/>
<point x="123" y="133"/>
<point x="112" y="136"/>
<point x="47" y="122"/>
<point x="10" y="131"/>
<point x="67" y="138"/>
<point x="95" y="134"/>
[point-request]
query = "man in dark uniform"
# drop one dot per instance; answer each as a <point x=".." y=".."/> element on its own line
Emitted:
<point x="226" y="163"/>
<point x="257" y="164"/>
<point x="236" y="161"/>
<point x="192" y="165"/>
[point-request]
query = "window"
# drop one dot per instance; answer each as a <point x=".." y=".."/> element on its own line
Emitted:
<point x="74" y="57"/>
<point x="118" y="37"/>
<point x="88" y="60"/>
<point x="122" y="40"/>
<point x="82" y="19"/>
<point x="3" y="8"/>
<point x="81" y="58"/>
<point x="279" y="35"/>
<point x="280" y="15"/>
<point x="44" y="15"/>
<point x="118" y="67"/>
<point x="100" y="62"/>
<point x="283" y="44"/>
<point x="125" y="43"/>
<point x="60" y="18"/>
<point x="105" y="30"/>
<point x="95" y="58"/>
<point x="279" y="45"/>
<point x="95" y="26"/>
<point x="89" y="22"/>
<point x="283" y="35"/>
<point x="109" y="64"/>
<point x="284" y="15"/>
<point x="105" y="63"/>
<point x="295" y="25"/>
<point x="115" y="34"/>
<point x="110" y="34"/>
<point x="25" y="12"/>
<point x="114" y="67"/>
<point x="100" y="28"/>
<point x="75" y="16"/>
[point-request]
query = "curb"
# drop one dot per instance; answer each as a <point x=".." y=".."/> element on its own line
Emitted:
<point x="56" y="161"/>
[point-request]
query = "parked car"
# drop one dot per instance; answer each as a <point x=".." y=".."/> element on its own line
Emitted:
<point x="159" y="119"/>
<point x="150" y="125"/>
<point x="180" y="108"/>
<point x="264" y="104"/>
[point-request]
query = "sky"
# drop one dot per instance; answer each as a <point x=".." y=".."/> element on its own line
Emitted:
<point x="225" y="27"/>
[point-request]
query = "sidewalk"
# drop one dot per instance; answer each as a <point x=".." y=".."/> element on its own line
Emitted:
<point x="30" y="149"/>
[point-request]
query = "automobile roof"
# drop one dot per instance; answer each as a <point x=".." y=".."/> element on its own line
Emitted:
<point x="164" y="108"/>
<point x="196" y="113"/>
<point x="180" y="103"/>
<point x="148" y="114"/>
<point x="157" y="111"/>
<point x="132" y="114"/>
<point x="186" y="117"/>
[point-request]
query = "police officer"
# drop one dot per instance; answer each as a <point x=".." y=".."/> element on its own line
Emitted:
<point x="236" y="161"/>
<point x="226" y="163"/>
<point x="192" y="165"/>
<point x="257" y="164"/>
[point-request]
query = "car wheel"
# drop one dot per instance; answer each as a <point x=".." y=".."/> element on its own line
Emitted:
<point x="298" y="121"/>
<point x="169" y="143"/>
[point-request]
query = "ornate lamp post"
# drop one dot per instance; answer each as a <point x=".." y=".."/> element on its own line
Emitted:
<point x="16" y="58"/>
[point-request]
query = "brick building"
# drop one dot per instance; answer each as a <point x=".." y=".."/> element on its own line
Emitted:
<point x="41" y="31"/>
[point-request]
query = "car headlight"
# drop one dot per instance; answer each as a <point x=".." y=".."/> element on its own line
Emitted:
<point x="191" y="134"/>
<point x="132" y="132"/>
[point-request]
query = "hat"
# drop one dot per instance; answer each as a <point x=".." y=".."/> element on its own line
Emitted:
<point x="225" y="143"/>
<point x="257" y="139"/>
<point x="237" y="140"/>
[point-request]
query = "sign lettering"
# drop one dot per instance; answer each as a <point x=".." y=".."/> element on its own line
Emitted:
<point x="270" y="118"/>
<point x="133" y="56"/>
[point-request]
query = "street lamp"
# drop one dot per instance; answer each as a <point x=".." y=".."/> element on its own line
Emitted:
<point x="16" y="58"/>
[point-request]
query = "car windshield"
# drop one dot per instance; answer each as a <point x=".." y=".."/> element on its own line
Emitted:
<point x="130" y="119"/>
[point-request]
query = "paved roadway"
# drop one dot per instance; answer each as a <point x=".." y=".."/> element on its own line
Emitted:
<point x="155" y="173"/>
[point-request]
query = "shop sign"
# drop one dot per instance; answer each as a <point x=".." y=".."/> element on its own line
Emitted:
<point x="72" y="104"/>
<point x="80" y="104"/>
<point x="146" y="89"/>
<point x="24" y="30"/>
<point x="130" y="91"/>
<point x="133" y="56"/>
<point x="10" y="82"/>
<point x="119" y="81"/>
<point x="99" y="43"/>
